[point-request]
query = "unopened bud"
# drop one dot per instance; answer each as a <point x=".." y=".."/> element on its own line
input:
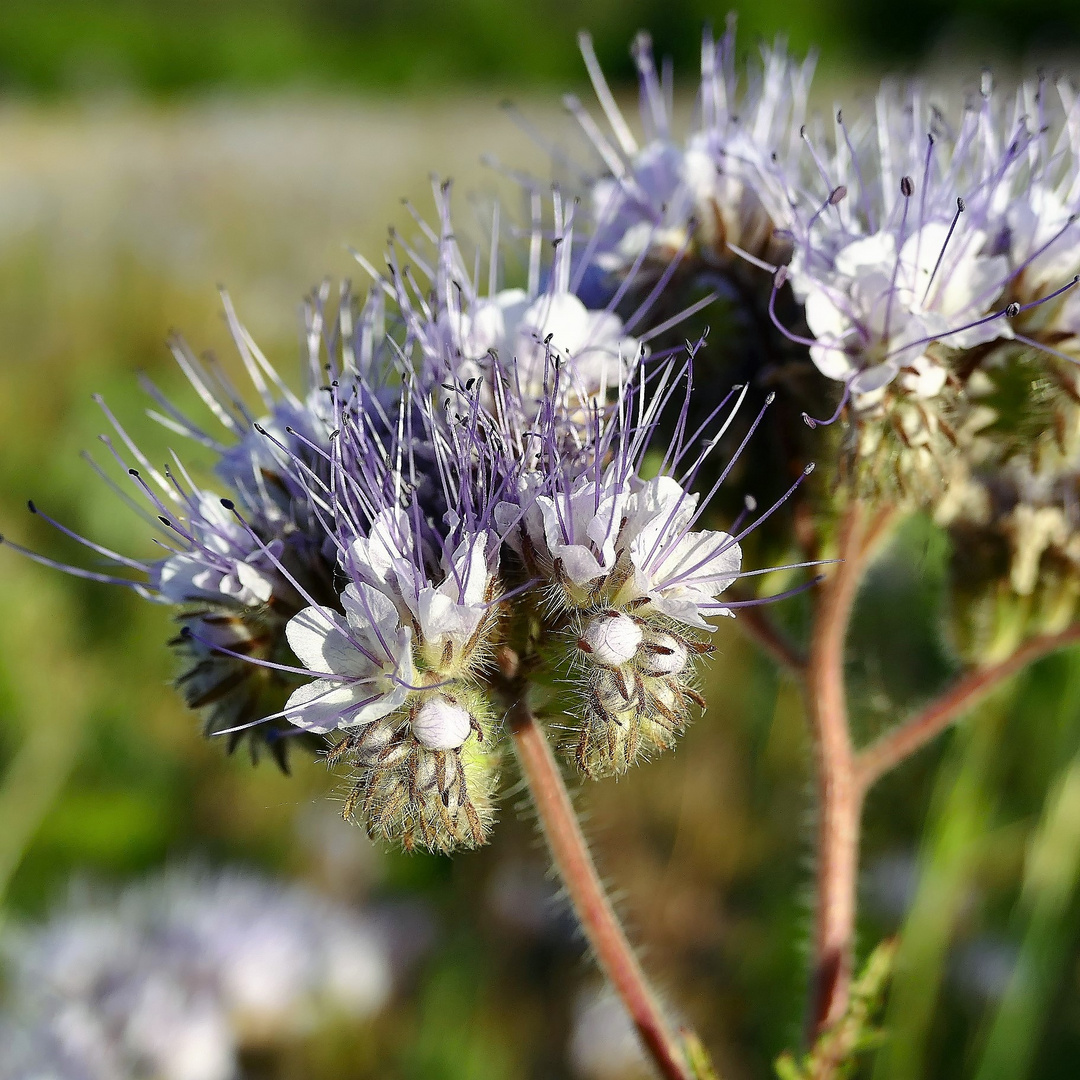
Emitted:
<point x="439" y="724"/>
<point x="612" y="639"/>
<point x="664" y="655"/>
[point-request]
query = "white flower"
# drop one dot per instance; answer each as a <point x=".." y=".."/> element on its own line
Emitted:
<point x="450" y="611"/>
<point x="366" y="658"/>
<point x="717" y="178"/>
<point x="679" y="569"/>
<point x="533" y="338"/>
<point x="874" y="311"/>
<point x="580" y="529"/>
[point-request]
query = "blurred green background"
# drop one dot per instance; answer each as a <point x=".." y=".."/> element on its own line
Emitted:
<point x="149" y="151"/>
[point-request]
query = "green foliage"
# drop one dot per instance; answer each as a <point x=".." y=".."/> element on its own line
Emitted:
<point x="162" y="48"/>
<point x="836" y="1051"/>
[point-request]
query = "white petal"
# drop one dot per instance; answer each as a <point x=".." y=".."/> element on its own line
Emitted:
<point x="255" y="582"/>
<point x="318" y="706"/>
<point x="874" y="378"/>
<point x="824" y="318"/>
<point x="579" y="563"/>
<point x="176" y="578"/>
<point x="320" y="638"/>
<point x="876" y="251"/>
<point x="372" y="615"/>
<point x="440" y="617"/>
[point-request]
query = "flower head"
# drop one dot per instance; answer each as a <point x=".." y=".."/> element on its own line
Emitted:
<point x="712" y="190"/>
<point x="175" y="977"/>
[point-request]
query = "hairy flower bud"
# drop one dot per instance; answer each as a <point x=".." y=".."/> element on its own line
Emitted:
<point x="664" y="654"/>
<point x="611" y="639"/>
<point x="440" y="724"/>
<point x="425" y="777"/>
<point x="635" y="695"/>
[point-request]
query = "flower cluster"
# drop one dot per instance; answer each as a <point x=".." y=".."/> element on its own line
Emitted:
<point x="491" y="488"/>
<point x="470" y="475"/>
<point x="934" y="249"/>
<point x="709" y="194"/>
<point x="234" y="584"/>
<point x="174" y="977"/>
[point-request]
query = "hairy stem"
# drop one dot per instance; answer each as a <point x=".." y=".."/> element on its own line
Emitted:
<point x="839" y="793"/>
<point x="901" y="742"/>
<point x="591" y="904"/>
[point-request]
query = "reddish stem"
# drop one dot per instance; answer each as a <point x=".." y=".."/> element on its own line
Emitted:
<point x="895" y="746"/>
<point x="570" y="853"/>
<point x="840" y="796"/>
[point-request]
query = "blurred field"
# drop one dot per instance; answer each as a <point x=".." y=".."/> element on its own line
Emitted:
<point x="117" y="219"/>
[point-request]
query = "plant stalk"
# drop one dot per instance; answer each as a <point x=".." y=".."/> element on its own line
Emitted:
<point x="839" y="793"/>
<point x="898" y="744"/>
<point x="602" y="929"/>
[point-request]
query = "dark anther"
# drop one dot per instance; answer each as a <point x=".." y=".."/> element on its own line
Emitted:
<point x="165" y="521"/>
<point x="907" y="187"/>
<point x="30" y="506"/>
<point x="133" y="472"/>
<point x="1012" y="310"/>
<point x="228" y="504"/>
<point x="960" y="204"/>
<point x="837" y="195"/>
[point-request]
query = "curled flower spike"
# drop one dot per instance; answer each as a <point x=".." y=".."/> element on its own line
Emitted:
<point x="236" y="585"/>
<point x="630" y="570"/>
<point x="463" y="477"/>
<point x="925" y="232"/>
<point x="512" y="353"/>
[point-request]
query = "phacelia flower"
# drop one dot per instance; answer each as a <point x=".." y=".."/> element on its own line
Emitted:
<point x="175" y="977"/>
<point x="235" y="584"/>
<point x="706" y="193"/>
<point x="632" y="572"/>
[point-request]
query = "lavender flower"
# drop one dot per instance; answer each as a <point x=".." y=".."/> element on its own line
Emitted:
<point x="236" y="587"/>
<point x="711" y="191"/>
<point x="909" y="236"/>
<point x="525" y="352"/>
<point x="468" y="483"/>
<point x="174" y="977"/>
